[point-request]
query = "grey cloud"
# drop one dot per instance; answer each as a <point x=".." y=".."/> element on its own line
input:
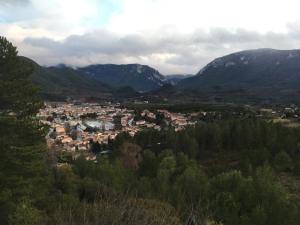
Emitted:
<point x="43" y="42"/>
<point x="16" y="11"/>
<point x="184" y="53"/>
<point x="186" y="59"/>
<point x="97" y="42"/>
<point x="14" y="2"/>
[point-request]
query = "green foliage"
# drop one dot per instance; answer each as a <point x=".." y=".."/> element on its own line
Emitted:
<point x="282" y="161"/>
<point x="149" y="165"/>
<point x="59" y="83"/>
<point x="115" y="209"/>
<point x="17" y="93"/>
<point x="24" y="174"/>
<point x="296" y="169"/>
<point x="190" y="190"/>
<point x="64" y="180"/>
<point x="26" y="214"/>
<point x="236" y="199"/>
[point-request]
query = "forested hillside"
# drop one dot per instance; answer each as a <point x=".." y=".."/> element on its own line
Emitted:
<point x="62" y="82"/>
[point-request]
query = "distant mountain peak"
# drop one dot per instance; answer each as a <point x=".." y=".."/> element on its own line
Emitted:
<point x="257" y="71"/>
<point x="247" y="57"/>
<point x="142" y="78"/>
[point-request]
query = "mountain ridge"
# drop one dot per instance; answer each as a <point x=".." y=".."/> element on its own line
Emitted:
<point x="265" y="74"/>
<point x="141" y="78"/>
<point x="62" y="82"/>
<point x="257" y="75"/>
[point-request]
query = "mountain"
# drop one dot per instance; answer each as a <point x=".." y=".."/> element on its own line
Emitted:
<point x="175" y="78"/>
<point x="61" y="82"/>
<point x="251" y="76"/>
<point x="261" y="74"/>
<point x="140" y="77"/>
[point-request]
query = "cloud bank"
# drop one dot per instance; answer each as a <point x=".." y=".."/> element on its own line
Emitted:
<point x="173" y="36"/>
<point x="171" y="53"/>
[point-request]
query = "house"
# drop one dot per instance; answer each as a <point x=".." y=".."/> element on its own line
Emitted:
<point x="66" y="139"/>
<point x="140" y="122"/>
<point x="91" y="157"/>
<point x="60" y="130"/>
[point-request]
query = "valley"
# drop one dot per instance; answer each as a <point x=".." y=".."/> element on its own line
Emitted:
<point x="124" y="144"/>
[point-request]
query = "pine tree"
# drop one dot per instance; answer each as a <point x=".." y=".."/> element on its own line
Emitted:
<point x="18" y="95"/>
<point x="22" y="149"/>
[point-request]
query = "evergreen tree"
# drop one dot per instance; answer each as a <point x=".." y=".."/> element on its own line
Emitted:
<point x="26" y="214"/>
<point x="282" y="161"/>
<point x="148" y="167"/>
<point x="22" y="150"/>
<point x="18" y="95"/>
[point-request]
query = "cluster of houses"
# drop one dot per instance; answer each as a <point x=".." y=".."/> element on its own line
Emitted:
<point x="73" y="127"/>
<point x="178" y="120"/>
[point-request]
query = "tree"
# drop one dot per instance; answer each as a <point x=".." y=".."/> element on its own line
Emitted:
<point x="130" y="155"/>
<point x="18" y="95"/>
<point x="191" y="190"/>
<point x="120" y="139"/>
<point x="117" y="122"/>
<point x="95" y="147"/>
<point x="149" y="165"/>
<point x="167" y="168"/>
<point x="273" y="205"/>
<point x="26" y="214"/>
<point x="235" y="199"/>
<point x="226" y="204"/>
<point x="22" y="145"/>
<point x="192" y="148"/>
<point x="282" y="161"/>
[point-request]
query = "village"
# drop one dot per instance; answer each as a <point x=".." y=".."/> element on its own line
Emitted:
<point x="74" y="127"/>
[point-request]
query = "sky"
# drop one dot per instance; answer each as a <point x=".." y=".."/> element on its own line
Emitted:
<point x="173" y="36"/>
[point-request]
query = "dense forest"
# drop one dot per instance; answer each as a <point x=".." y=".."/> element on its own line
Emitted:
<point x="230" y="171"/>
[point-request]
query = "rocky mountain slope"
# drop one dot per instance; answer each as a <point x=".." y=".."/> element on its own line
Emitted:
<point x="263" y="73"/>
<point x="140" y="77"/>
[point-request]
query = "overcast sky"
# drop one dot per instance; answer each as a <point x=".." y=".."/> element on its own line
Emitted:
<point x="174" y="36"/>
